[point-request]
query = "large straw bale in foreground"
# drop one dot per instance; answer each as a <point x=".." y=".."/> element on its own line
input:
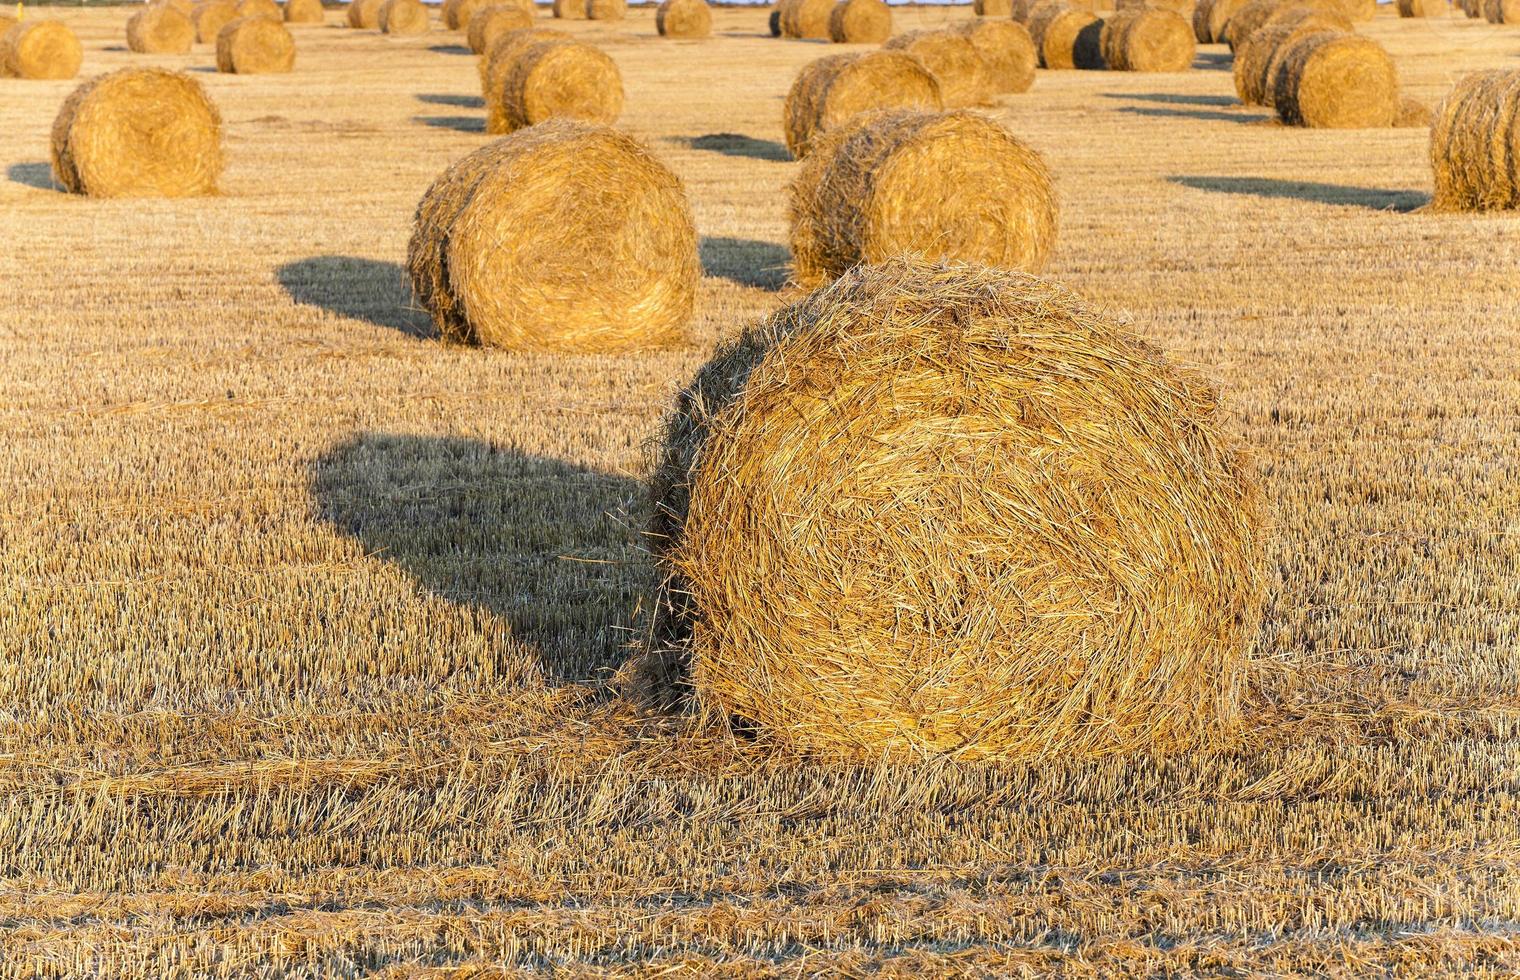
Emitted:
<point x="1475" y="144"/>
<point x="211" y="16"/>
<point x="255" y="46"/>
<point x="805" y="18"/>
<point x="40" y="49"/>
<point x="683" y="18"/>
<point x="1333" y="80"/>
<point x="138" y="132"/>
<point x="954" y="61"/>
<point x="952" y="511"/>
<point x="557" y="78"/>
<point x="490" y="24"/>
<point x="860" y="22"/>
<point x="942" y="185"/>
<point x="830" y="91"/>
<point x="404" y="18"/>
<point x="563" y="237"/>
<point x="1149" y="40"/>
<point x="1007" y="50"/>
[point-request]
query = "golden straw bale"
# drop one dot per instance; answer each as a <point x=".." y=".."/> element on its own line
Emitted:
<point x="1259" y="59"/>
<point x="138" y="132"/>
<point x="1148" y="40"/>
<point x="1211" y="19"/>
<point x="606" y="9"/>
<point x="1069" y="39"/>
<point x="952" y="511"/>
<point x="1110" y="38"/>
<point x="490" y="23"/>
<point x="1006" y="49"/>
<point x="40" y="49"/>
<point x="159" y="29"/>
<point x="805" y="18"/>
<point x="557" y="78"/>
<point x="253" y="46"/>
<point x="260" y="8"/>
<point x="364" y="14"/>
<point x="1334" y="80"/>
<point x="964" y="78"/>
<point x="1328" y="15"/>
<point x="304" y="12"/>
<point x="1247" y="19"/>
<point x="1022" y="9"/>
<point x="497" y="62"/>
<point x="456" y="14"/>
<point x="1475" y="144"/>
<point x="683" y="18"/>
<point x="404" y="18"/>
<point x="1183" y="8"/>
<point x="569" y="9"/>
<point x="831" y="91"/>
<point x="183" y="6"/>
<point x="992" y="8"/>
<point x="1501" y="11"/>
<point x="563" y="237"/>
<point x="955" y="186"/>
<point x="860" y="22"/>
<point x="211" y="16"/>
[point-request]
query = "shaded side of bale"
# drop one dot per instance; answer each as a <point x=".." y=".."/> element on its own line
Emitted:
<point x="990" y="524"/>
<point x="860" y="22"/>
<point x="560" y="79"/>
<point x="210" y="17"/>
<point x="1022" y="10"/>
<point x="159" y="29"/>
<point x="304" y="12"/>
<point x="992" y="8"/>
<point x="254" y="46"/>
<point x="775" y="23"/>
<point x="490" y="23"/>
<point x="563" y="237"/>
<point x="496" y="64"/>
<point x="831" y="91"/>
<point x="1111" y="36"/>
<point x="1041" y="14"/>
<point x="807" y="19"/>
<point x="683" y="18"/>
<point x="1215" y="19"/>
<point x="403" y="18"/>
<point x="1258" y="61"/>
<point x="570" y="9"/>
<point x="1475" y="144"/>
<point x="260" y="8"/>
<point x="954" y="61"/>
<point x="40" y="49"/>
<point x="1500" y="11"/>
<point x="1071" y="39"/>
<point x="1153" y="41"/>
<point x="952" y="186"/>
<point x="1333" y="80"/>
<point x="1007" y="50"/>
<point x="606" y="9"/>
<point x="138" y="132"/>
<point x="1472" y="8"/>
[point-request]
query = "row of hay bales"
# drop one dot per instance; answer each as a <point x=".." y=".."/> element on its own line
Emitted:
<point x="1134" y="38"/>
<point x="1212" y="18"/>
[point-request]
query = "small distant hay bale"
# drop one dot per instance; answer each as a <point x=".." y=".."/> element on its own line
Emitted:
<point x="1475" y="144"/>
<point x="831" y="91"/>
<point x="951" y="511"/>
<point x="563" y="237"/>
<point x="1148" y="40"/>
<point x="805" y="19"/>
<point x="1424" y="8"/>
<point x="569" y="9"/>
<point x="1413" y="114"/>
<point x="304" y="12"/>
<point x="606" y="9"/>
<point x="160" y="29"/>
<point x="364" y="14"/>
<point x="554" y="79"/>
<point x="1066" y="38"/>
<point x="775" y="23"/>
<point x="953" y="186"/>
<point x="964" y="78"/>
<point x="1334" y="80"/>
<point x="683" y="18"/>
<point x="456" y="14"/>
<point x="992" y="8"/>
<point x="860" y="22"/>
<point x="1211" y="19"/>
<point x="210" y="17"/>
<point x="138" y="132"/>
<point x="267" y="9"/>
<point x="403" y="18"/>
<point x="40" y="49"/>
<point x="490" y="23"/>
<point x="1007" y="50"/>
<point x="255" y="46"/>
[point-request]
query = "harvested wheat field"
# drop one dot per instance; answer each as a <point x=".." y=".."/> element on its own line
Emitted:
<point x="311" y="620"/>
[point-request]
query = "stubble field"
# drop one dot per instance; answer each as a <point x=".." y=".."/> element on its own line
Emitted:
<point x="307" y="619"/>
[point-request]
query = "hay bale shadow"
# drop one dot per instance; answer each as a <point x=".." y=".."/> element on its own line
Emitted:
<point x="1171" y="98"/>
<point x="38" y="175"/>
<point x="1214" y="61"/>
<point x="548" y="546"/>
<point x="459" y="124"/>
<point x="746" y="261"/>
<point x="361" y="289"/>
<point x="451" y="49"/>
<point x="739" y="145"/>
<point x="1373" y="198"/>
<point x="1242" y="118"/>
<point x="457" y="101"/>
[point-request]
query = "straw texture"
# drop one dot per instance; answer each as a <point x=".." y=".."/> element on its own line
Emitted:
<point x="556" y="78"/>
<point x="490" y="23"/>
<point x="831" y="91"/>
<point x="211" y="16"/>
<point x="1333" y="80"/>
<point x="860" y="22"/>
<point x="40" y="49"/>
<point x="683" y="18"/>
<point x="404" y="18"/>
<point x="1147" y="40"/>
<point x="1007" y="50"/>
<point x="254" y="46"/>
<point x="805" y="18"/>
<point x="954" y="61"/>
<point x="160" y="29"/>
<point x="1475" y="144"/>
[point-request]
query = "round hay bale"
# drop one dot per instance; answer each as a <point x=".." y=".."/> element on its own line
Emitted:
<point x="775" y="23"/>
<point x="490" y="23"/>
<point x="364" y="14"/>
<point x="138" y="132"/>
<point x="963" y="76"/>
<point x="404" y="18"/>
<point x="606" y="9"/>
<point x="1247" y="19"/>
<point x="456" y="14"/>
<point x="1475" y="144"/>
<point x="805" y="19"/>
<point x="563" y="237"/>
<point x="1069" y="39"/>
<point x="304" y="12"/>
<point x="555" y="78"/>
<point x="255" y="46"/>
<point x="831" y="91"/>
<point x="40" y="49"/>
<point x="159" y="29"/>
<point x="1333" y="80"/>
<point x="497" y="62"/>
<point x="1413" y="114"/>
<point x="1110" y="38"/>
<point x="860" y="22"/>
<point x="952" y="186"/>
<point x="210" y="17"/>
<point x="1259" y="59"/>
<point x="953" y="511"/>
<point x="1152" y="41"/>
<point x="683" y="18"/>
<point x="1006" y="49"/>
<point x="992" y="8"/>
<point x="569" y="9"/>
<point x="1211" y="19"/>
<point x="267" y="9"/>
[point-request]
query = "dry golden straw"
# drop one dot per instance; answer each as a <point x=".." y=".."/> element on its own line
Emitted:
<point x="304" y="12"/>
<point x="183" y="6"/>
<point x="860" y="22"/>
<point x="404" y="18"/>
<point x="456" y="14"/>
<point x="260" y="8"/>
<point x="606" y="9"/>
<point x="138" y="132"/>
<point x="160" y="29"/>
<point x="557" y="78"/>
<point x="952" y="511"/>
<point x="1148" y="40"/>
<point x="490" y="23"/>
<point x="805" y="18"/>
<point x="1501" y="11"/>
<point x="955" y="186"/>
<point x="1475" y="144"/>
<point x="1244" y="22"/>
<point x="570" y="9"/>
<point x="1359" y="10"/>
<point x="955" y="62"/>
<point x="1183" y="8"/>
<point x="992" y="8"/>
<point x="831" y="91"/>
<point x="364" y="14"/>
<point x="1328" y="15"/>
<point x="1066" y="38"/>
<point x="563" y="237"/>
<point x="1259" y="59"/>
<point x="497" y="62"/>
<point x="1007" y="50"/>
<point x="1212" y="17"/>
<point x="253" y="46"/>
<point x="1333" y="80"/>
<point x="40" y="49"/>
<point x="683" y="18"/>
<point x="211" y="16"/>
